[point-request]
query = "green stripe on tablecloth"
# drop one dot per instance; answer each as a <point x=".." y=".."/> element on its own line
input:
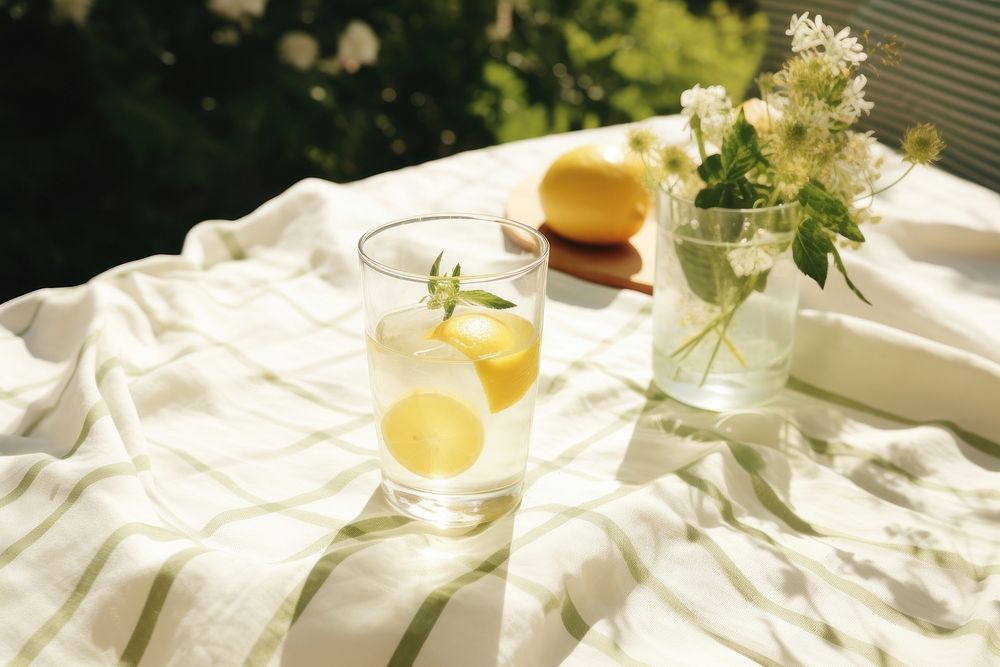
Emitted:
<point x="155" y="600"/>
<point x="645" y="577"/>
<point x="566" y="456"/>
<point x="87" y="342"/>
<point x="753" y="463"/>
<point x="229" y="484"/>
<point x="29" y="476"/>
<point x="331" y="434"/>
<point x="776" y="506"/>
<point x="96" y="412"/>
<point x="291" y="607"/>
<point x="51" y="627"/>
<point x="426" y="616"/>
<point x="55" y="623"/>
<point x="31" y="320"/>
<point x="11" y="395"/>
<point x="232" y="245"/>
<point x="752" y="595"/>
<point x="432" y="607"/>
<point x="272" y="289"/>
<point x="94" y="476"/>
<point x="630" y="327"/>
<point x="335" y="485"/>
<point x="975" y="626"/>
<point x="831" y="449"/>
<point x="977" y="441"/>
<point x="550" y="602"/>
<point x="580" y="630"/>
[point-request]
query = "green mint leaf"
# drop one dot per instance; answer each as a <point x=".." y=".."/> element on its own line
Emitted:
<point x="740" y="150"/>
<point x="711" y="169"/>
<point x="843" y="271"/>
<point x="483" y="298"/>
<point x="829" y="210"/>
<point x="810" y="248"/>
<point x="735" y="194"/>
<point x="445" y="292"/>
<point x="435" y="268"/>
<point x="711" y="196"/>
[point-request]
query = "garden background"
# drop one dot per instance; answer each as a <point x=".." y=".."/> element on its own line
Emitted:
<point x="125" y="123"/>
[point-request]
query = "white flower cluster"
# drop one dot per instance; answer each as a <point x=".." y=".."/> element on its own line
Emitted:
<point x="357" y="46"/>
<point x="751" y="259"/>
<point x="238" y="10"/>
<point x="298" y="49"/>
<point x="838" y="49"/>
<point x="852" y="101"/>
<point x="711" y="106"/>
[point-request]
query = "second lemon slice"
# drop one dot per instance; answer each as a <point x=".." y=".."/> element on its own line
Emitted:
<point x="504" y="348"/>
<point x="432" y="434"/>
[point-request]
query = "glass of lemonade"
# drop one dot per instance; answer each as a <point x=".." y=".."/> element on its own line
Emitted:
<point x="453" y="307"/>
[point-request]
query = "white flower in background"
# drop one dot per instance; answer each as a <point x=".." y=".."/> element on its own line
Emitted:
<point x="852" y="102"/>
<point x="750" y="260"/>
<point x="76" y="11"/>
<point x="839" y="50"/>
<point x="298" y="49"/>
<point x="711" y="106"/>
<point x="855" y="168"/>
<point x="238" y="10"/>
<point x="357" y="46"/>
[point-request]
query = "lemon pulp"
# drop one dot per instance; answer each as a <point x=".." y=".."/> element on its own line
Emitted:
<point x="504" y="349"/>
<point x="432" y="434"/>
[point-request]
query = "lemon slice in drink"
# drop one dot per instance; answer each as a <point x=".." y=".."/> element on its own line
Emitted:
<point x="432" y="434"/>
<point x="504" y="348"/>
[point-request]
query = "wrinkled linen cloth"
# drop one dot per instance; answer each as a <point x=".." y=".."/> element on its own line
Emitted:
<point x="189" y="471"/>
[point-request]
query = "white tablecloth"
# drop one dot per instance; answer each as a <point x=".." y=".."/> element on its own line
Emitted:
<point x="188" y="471"/>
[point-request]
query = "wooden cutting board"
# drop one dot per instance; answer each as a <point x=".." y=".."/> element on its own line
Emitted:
<point x="627" y="266"/>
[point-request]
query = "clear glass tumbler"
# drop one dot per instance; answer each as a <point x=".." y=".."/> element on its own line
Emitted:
<point x="724" y="301"/>
<point x="453" y="307"/>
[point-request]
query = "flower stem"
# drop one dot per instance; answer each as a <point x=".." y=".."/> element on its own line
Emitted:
<point x="881" y="190"/>
<point x="699" y="137"/>
<point x="718" y="344"/>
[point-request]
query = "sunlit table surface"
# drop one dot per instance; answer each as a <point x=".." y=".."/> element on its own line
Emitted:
<point x="189" y="475"/>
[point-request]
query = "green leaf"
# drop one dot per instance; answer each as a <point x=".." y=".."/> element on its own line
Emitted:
<point x="435" y="267"/>
<point x="706" y="267"/>
<point x="711" y="169"/>
<point x="829" y="210"/>
<point x="843" y="271"/>
<point x="735" y="194"/>
<point x="483" y="298"/>
<point x="457" y="271"/>
<point x="810" y="248"/>
<point x="449" y="307"/>
<point x="740" y="149"/>
<point x="712" y="196"/>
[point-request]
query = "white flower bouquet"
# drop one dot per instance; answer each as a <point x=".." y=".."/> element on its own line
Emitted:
<point x="793" y="147"/>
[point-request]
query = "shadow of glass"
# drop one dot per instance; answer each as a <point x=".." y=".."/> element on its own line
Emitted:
<point x="663" y="441"/>
<point x="382" y="606"/>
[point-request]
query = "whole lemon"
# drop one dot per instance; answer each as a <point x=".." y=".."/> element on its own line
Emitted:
<point x="595" y="195"/>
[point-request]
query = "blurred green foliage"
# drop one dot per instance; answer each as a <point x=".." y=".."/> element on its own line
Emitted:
<point x="123" y="130"/>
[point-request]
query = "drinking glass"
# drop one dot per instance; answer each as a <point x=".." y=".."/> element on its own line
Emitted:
<point x="453" y="308"/>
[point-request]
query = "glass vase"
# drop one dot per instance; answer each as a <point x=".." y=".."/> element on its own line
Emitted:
<point x="724" y="302"/>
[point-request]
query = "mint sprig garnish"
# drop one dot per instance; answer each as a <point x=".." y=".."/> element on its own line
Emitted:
<point x="445" y="292"/>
